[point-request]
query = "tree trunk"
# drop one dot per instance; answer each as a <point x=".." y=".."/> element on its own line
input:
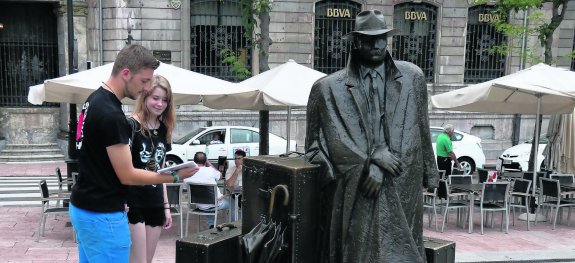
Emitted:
<point x="546" y="39"/>
<point x="265" y="43"/>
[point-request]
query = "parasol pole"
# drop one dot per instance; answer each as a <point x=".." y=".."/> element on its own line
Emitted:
<point x="288" y="127"/>
<point x="535" y="157"/>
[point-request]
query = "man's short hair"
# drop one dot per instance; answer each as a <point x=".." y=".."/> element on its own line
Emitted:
<point x="240" y="153"/>
<point x="135" y="58"/>
<point x="200" y="158"/>
<point x="448" y="127"/>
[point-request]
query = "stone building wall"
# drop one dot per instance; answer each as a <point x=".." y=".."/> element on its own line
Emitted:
<point x="165" y="25"/>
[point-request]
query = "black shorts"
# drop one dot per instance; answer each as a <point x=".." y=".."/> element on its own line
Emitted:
<point x="150" y="216"/>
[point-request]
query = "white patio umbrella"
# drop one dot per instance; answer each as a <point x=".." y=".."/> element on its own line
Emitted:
<point x="540" y="89"/>
<point x="187" y="86"/>
<point x="283" y="87"/>
<point x="560" y="150"/>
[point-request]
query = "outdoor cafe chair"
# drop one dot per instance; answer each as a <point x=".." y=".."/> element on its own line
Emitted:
<point x="63" y="181"/>
<point x="430" y="202"/>
<point x="174" y="193"/>
<point x="564" y="179"/>
<point x="519" y="197"/>
<point x="460" y="179"/>
<point x="452" y="201"/>
<point x="550" y="197"/>
<point x="483" y="174"/>
<point x="202" y="193"/>
<point x="494" y="197"/>
<point x="46" y="197"/>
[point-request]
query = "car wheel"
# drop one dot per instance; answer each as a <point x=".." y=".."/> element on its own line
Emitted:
<point x="172" y="160"/>
<point x="467" y="165"/>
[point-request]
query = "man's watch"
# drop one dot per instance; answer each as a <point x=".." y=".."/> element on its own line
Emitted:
<point x="176" y="177"/>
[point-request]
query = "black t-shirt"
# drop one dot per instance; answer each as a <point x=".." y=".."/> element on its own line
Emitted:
<point x="149" y="154"/>
<point x="101" y="123"/>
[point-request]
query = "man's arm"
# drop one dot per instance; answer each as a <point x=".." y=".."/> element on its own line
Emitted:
<point x="231" y="181"/>
<point x="121" y="159"/>
<point x="454" y="158"/>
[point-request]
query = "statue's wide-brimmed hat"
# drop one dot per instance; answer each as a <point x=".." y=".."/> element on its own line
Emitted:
<point x="371" y="22"/>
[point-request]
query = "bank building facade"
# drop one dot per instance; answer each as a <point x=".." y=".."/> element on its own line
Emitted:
<point x="450" y="40"/>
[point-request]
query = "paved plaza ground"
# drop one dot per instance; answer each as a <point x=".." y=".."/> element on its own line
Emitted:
<point x="19" y="229"/>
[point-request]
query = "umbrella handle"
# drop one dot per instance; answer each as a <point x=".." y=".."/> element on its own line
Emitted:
<point x="284" y="188"/>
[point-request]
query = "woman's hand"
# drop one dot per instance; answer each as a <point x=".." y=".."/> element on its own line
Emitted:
<point x="168" y="221"/>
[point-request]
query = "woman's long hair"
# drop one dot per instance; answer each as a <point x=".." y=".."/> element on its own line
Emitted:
<point x="168" y="117"/>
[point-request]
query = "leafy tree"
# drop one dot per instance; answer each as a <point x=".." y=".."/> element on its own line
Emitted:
<point x="541" y="27"/>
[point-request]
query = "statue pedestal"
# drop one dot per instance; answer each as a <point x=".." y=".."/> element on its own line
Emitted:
<point x="438" y="250"/>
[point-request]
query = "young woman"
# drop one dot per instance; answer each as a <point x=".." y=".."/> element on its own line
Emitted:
<point x="148" y="208"/>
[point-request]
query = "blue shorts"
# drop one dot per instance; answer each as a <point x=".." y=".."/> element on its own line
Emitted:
<point x="102" y="237"/>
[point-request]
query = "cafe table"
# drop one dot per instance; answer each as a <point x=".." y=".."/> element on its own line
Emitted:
<point x="472" y="190"/>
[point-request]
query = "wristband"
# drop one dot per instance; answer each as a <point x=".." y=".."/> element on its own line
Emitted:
<point x="176" y="177"/>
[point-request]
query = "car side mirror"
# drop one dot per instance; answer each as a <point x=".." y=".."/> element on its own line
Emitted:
<point x="196" y="142"/>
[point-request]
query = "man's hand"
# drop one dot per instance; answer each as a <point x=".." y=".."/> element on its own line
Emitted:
<point x="386" y="160"/>
<point x="372" y="182"/>
<point x="187" y="172"/>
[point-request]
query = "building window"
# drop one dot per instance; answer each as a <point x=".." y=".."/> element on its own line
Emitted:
<point x="415" y="39"/>
<point x="481" y="62"/>
<point x="333" y="20"/>
<point x="215" y="26"/>
<point x="28" y="50"/>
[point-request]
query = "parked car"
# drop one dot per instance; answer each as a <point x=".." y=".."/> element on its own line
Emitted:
<point x="517" y="157"/>
<point x="466" y="147"/>
<point x="232" y="138"/>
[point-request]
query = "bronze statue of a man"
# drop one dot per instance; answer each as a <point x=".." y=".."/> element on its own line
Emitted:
<point x="367" y="126"/>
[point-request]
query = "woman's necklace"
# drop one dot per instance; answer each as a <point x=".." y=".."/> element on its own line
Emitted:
<point x="110" y="89"/>
<point x="152" y="127"/>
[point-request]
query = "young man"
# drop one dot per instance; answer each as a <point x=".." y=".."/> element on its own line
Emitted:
<point x="234" y="174"/>
<point x="97" y="208"/>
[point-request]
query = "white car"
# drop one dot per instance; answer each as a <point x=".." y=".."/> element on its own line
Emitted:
<point x="466" y="147"/>
<point x="233" y="138"/>
<point x="517" y="157"/>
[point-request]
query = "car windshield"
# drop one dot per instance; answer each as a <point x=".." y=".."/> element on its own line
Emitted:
<point x="542" y="139"/>
<point x="188" y="136"/>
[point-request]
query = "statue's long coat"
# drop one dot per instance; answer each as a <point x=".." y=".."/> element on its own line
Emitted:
<point x="355" y="228"/>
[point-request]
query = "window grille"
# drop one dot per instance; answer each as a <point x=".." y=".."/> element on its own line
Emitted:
<point x="28" y="50"/>
<point x="217" y="25"/>
<point x="415" y="38"/>
<point x="481" y="62"/>
<point x="333" y="20"/>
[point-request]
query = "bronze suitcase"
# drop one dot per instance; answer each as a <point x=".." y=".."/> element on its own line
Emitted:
<point x="210" y="246"/>
<point x="261" y="174"/>
<point x="438" y="250"/>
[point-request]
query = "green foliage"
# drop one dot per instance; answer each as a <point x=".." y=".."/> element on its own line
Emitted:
<point x="236" y="65"/>
<point x="250" y="10"/>
<point x="541" y="28"/>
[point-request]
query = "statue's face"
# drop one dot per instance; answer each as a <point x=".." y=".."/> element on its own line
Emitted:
<point x="371" y="49"/>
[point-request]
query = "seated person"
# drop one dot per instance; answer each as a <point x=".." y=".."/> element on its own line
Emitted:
<point x="209" y="174"/>
<point x="234" y="173"/>
<point x="216" y="138"/>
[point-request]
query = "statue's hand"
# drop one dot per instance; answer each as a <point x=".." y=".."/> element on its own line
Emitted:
<point x="383" y="158"/>
<point x="372" y="182"/>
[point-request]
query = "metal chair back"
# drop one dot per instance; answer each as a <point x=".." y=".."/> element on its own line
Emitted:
<point x="460" y="179"/>
<point x="563" y="178"/>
